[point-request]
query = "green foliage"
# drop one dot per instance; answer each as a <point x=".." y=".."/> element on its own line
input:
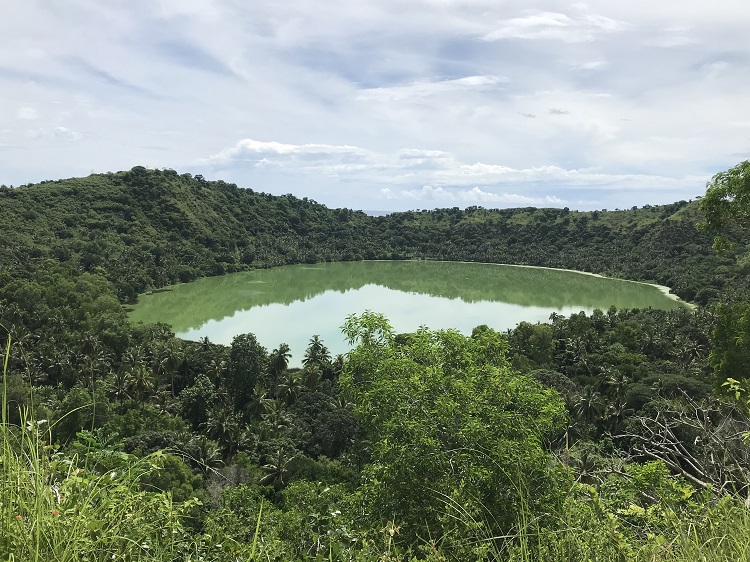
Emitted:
<point x="727" y="202"/>
<point x="730" y="342"/>
<point x="55" y="507"/>
<point x="145" y="229"/>
<point x="532" y="346"/>
<point x="81" y="409"/>
<point x="248" y="363"/>
<point x="313" y="521"/>
<point x="457" y="436"/>
<point x="663" y="520"/>
<point x="440" y="449"/>
<point x="172" y="476"/>
<point x="197" y="401"/>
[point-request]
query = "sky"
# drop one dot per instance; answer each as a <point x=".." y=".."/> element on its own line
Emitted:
<point x="383" y="105"/>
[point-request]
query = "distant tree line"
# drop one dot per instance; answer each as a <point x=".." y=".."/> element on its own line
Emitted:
<point x="145" y="229"/>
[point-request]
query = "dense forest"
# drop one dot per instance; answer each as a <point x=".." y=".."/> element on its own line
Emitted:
<point x="619" y="435"/>
<point x="144" y="229"/>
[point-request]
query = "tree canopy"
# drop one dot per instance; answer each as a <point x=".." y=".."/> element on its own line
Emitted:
<point x="727" y="202"/>
<point x="457" y="435"/>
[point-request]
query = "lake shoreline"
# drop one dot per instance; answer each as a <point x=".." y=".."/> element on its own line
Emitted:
<point x="666" y="291"/>
<point x="291" y="303"/>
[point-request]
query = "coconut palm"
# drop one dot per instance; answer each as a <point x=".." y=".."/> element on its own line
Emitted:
<point x="205" y="453"/>
<point x="275" y="418"/>
<point x="618" y="382"/>
<point x="276" y="469"/>
<point x="223" y="425"/>
<point x="135" y="355"/>
<point x="258" y="402"/>
<point x="688" y="351"/>
<point x="590" y="405"/>
<point x="168" y="358"/>
<point x="118" y="385"/>
<point x="317" y="354"/>
<point x="277" y="365"/>
<point x="216" y="370"/>
<point x="290" y="386"/>
<point x="312" y="375"/>
<point x="98" y="360"/>
<point x="140" y="383"/>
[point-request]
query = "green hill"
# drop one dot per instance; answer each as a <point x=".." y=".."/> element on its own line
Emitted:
<point x="144" y="229"/>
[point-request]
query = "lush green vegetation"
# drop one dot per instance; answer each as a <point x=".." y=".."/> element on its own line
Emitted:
<point x="613" y="436"/>
<point x="144" y="229"/>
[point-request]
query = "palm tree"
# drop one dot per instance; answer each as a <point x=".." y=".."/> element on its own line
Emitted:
<point x="275" y="418"/>
<point x="223" y="425"/>
<point x="140" y="382"/>
<point x="135" y="355"/>
<point x="36" y="371"/>
<point x="168" y="358"/>
<point x="337" y="365"/>
<point x="585" y="467"/>
<point x="317" y="354"/>
<point x="206" y="453"/>
<point x="688" y="351"/>
<point x="90" y="344"/>
<point x="164" y="400"/>
<point x="95" y="361"/>
<point x="618" y="381"/>
<point x="276" y="469"/>
<point x="21" y="340"/>
<point x="590" y="405"/>
<point x="259" y="400"/>
<point x="278" y="363"/>
<point x="58" y="365"/>
<point x="577" y="351"/>
<point x="312" y="375"/>
<point x="290" y="386"/>
<point x="118" y="385"/>
<point x="216" y="371"/>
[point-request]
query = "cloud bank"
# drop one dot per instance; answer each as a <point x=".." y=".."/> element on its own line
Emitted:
<point x="465" y="102"/>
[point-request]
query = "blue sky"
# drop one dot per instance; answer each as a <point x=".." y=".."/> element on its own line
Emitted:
<point x="384" y="105"/>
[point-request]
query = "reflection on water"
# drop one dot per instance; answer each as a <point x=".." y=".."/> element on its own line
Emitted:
<point x="290" y="304"/>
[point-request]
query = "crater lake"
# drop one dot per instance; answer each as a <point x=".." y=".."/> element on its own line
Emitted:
<point x="290" y="304"/>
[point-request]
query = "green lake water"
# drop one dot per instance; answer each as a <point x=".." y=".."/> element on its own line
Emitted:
<point x="291" y="304"/>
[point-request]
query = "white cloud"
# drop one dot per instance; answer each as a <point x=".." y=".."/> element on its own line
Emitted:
<point x="581" y="27"/>
<point x="654" y="94"/>
<point x="250" y="147"/>
<point x="430" y="88"/>
<point x="473" y="195"/>
<point x="28" y="113"/>
<point x="54" y="133"/>
<point x="441" y="176"/>
<point x="591" y="65"/>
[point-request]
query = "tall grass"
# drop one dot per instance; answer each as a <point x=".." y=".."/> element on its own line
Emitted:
<point x="589" y="528"/>
<point x="586" y="533"/>
<point x="53" y="508"/>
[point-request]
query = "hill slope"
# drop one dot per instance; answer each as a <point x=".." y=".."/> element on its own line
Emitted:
<point x="149" y="228"/>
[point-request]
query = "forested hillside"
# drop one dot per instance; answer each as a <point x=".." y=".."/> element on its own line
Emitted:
<point x="618" y="435"/>
<point x="149" y="228"/>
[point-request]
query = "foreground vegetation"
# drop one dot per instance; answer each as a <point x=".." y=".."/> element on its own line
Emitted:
<point x="613" y="436"/>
